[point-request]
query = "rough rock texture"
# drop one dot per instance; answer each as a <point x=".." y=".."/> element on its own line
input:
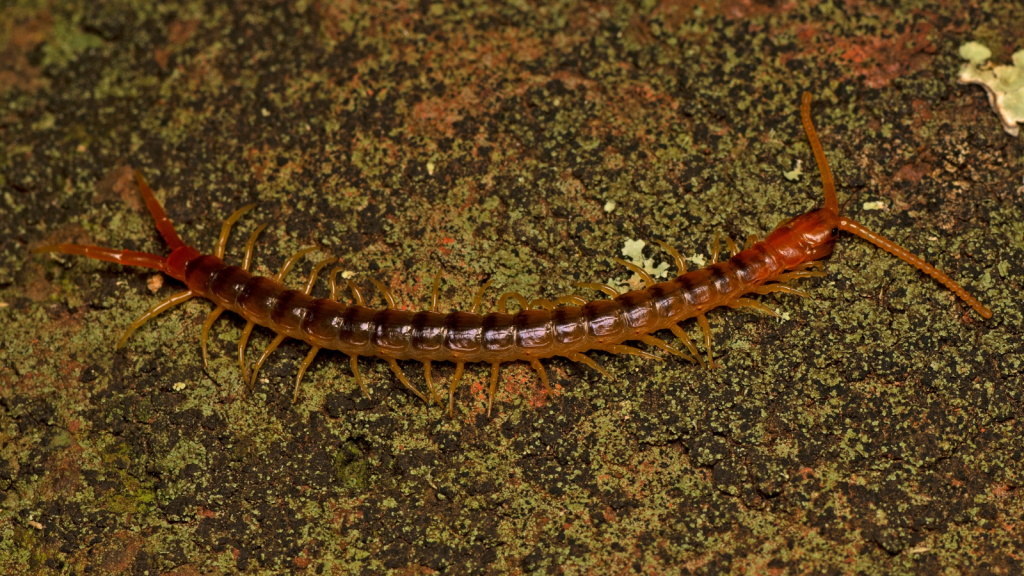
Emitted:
<point x="875" y="428"/>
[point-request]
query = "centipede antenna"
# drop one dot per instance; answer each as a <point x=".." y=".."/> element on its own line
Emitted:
<point x="387" y="293"/>
<point x="263" y="358"/>
<point x="124" y="257"/>
<point x="905" y="255"/>
<point x="302" y="370"/>
<point x="480" y="296"/>
<point x="648" y="281"/>
<point x="543" y="375"/>
<point x="207" y="324"/>
<point x="153" y="312"/>
<point x="225" y="229"/>
<point x="433" y="293"/>
<point x="706" y="329"/>
<point x="493" y="387"/>
<point x="676" y="256"/>
<point x="827" y="184"/>
<point x="163" y="223"/>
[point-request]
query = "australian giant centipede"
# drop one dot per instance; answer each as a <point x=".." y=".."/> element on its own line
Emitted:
<point x="569" y="326"/>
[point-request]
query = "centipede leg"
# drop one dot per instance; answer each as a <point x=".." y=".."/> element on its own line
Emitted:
<point x="388" y="297"/>
<point x="648" y="281"/>
<point x="353" y="361"/>
<point x="733" y="249"/>
<point x="207" y="324"/>
<point x="584" y="359"/>
<point x="623" y="349"/>
<point x="434" y="293"/>
<point x="250" y="244"/>
<point x="706" y="328"/>
<point x="479" y="296"/>
<point x="751" y="240"/>
<point x="302" y="370"/>
<point x="799" y="274"/>
<point x="676" y="256"/>
<point x="716" y="248"/>
<point x="682" y="335"/>
<point x="571" y="299"/>
<point x="153" y="312"/>
<point x="287" y="266"/>
<point x="263" y="358"/>
<point x="659" y="343"/>
<point x="542" y="303"/>
<point x="599" y="287"/>
<point x="225" y="229"/>
<point x="460" y="368"/>
<point x="543" y="375"/>
<point x="780" y="288"/>
<point x="503" y="301"/>
<point x="405" y="379"/>
<point x="749" y="303"/>
<point x="430" y="384"/>
<point x="493" y="388"/>
<point x="242" y="342"/>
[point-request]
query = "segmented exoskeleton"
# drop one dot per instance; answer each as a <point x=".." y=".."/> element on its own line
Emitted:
<point x="569" y="326"/>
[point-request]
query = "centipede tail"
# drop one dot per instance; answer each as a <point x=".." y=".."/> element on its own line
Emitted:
<point x="567" y="326"/>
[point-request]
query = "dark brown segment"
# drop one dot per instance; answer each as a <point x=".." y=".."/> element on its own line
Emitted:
<point x="748" y="265"/>
<point x="227" y="285"/>
<point x="721" y="277"/>
<point x="323" y="323"/>
<point x="569" y="324"/>
<point x="694" y="288"/>
<point x="533" y="329"/>
<point x="393" y="330"/>
<point x="604" y="318"/>
<point x="259" y="298"/>
<point x="464" y="332"/>
<point x="290" y="312"/>
<point x="499" y="335"/>
<point x="637" y="309"/>
<point x="357" y="326"/>
<point x="428" y="331"/>
<point x="668" y="300"/>
<point x="199" y="273"/>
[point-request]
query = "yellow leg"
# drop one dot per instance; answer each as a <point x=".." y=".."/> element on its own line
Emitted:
<point x="676" y="256"/>
<point x="153" y="312"/>
<point x="749" y="303"/>
<point x="356" y="294"/>
<point x="716" y="248"/>
<point x="263" y="358"/>
<point x="780" y="288"/>
<point x="206" y="332"/>
<point x="600" y="287"/>
<point x="479" y="297"/>
<point x="353" y="361"/>
<point x="404" y="379"/>
<point x="543" y="375"/>
<point x="503" y="301"/>
<point x="225" y="229"/>
<point x="315" y="273"/>
<point x="682" y="335"/>
<point x="433" y="293"/>
<point x="250" y="244"/>
<point x="430" y="384"/>
<point x="584" y="359"/>
<point x="706" y="328"/>
<point x="623" y="349"/>
<point x="388" y="297"/>
<point x="571" y="299"/>
<point x="460" y="368"/>
<point x="287" y="266"/>
<point x="751" y="240"/>
<point x="648" y="281"/>
<point x="733" y="250"/>
<point x="242" y="342"/>
<point x="302" y="370"/>
<point x="493" y="388"/>
<point x="659" y="343"/>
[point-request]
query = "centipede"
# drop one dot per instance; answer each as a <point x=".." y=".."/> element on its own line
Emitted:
<point x="569" y="326"/>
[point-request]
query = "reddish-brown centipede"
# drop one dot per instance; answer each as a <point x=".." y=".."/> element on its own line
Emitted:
<point x="568" y="326"/>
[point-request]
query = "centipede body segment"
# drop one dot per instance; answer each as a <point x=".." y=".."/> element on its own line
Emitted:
<point x="569" y="326"/>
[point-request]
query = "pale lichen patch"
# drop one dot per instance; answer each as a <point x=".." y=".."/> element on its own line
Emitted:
<point x="1004" y="85"/>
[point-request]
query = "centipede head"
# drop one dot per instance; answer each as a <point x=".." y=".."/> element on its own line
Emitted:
<point x="810" y="236"/>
